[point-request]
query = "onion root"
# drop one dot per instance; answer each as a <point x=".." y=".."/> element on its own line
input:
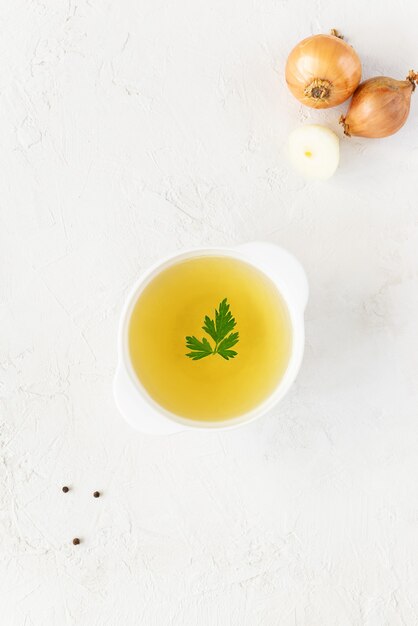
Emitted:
<point x="318" y="89"/>
<point x="345" y="126"/>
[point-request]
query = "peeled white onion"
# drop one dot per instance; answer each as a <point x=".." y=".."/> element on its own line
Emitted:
<point x="314" y="151"/>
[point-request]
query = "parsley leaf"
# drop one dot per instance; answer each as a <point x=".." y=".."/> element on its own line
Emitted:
<point x="224" y="321"/>
<point x="209" y="328"/>
<point x="226" y="344"/>
<point x="199" y="349"/>
<point x="219" y="330"/>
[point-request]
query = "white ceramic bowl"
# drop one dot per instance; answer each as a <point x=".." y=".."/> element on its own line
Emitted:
<point x="141" y="411"/>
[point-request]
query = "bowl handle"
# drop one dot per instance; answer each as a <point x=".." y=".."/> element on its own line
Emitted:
<point x="137" y="412"/>
<point x="280" y="263"/>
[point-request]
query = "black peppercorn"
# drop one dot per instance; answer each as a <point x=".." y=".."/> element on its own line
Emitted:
<point x="76" y="541"/>
<point x="96" y="494"/>
<point x="66" y="489"/>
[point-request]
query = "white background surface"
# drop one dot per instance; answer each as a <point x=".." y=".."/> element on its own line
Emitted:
<point x="129" y="130"/>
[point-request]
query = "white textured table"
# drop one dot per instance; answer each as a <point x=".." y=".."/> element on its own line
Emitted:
<point x="132" y="129"/>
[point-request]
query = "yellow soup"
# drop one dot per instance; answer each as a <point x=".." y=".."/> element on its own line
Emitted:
<point x="173" y="306"/>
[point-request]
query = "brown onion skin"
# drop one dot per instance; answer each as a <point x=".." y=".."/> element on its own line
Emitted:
<point x="379" y="108"/>
<point x="323" y="58"/>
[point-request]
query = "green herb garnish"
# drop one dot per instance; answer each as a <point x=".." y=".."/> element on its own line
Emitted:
<point x="219" y="330"/>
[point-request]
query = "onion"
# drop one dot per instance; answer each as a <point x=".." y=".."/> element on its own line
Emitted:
<point x="323" y="71"/>
<point x="380" y="106"/>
